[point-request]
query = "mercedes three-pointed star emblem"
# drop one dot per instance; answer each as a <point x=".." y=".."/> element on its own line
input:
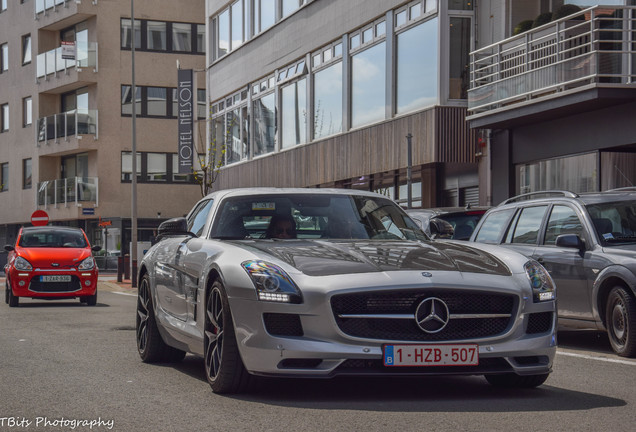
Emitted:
<point x="432" y="315"/>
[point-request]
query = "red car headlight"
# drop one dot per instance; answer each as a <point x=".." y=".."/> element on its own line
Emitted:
<point x="87" y="264"/>
<point x="22" y="265"/>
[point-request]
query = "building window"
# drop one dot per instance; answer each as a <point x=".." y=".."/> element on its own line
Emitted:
<point x="328" y="101"/>
<point x="157" y="168"/>
<point x="223" y="33"/>
<point x="265" y="14"/>
<point x="237" y="25"/>
<point x="294" y="114"/>
<point x="4" y="175"/>
<point x="26" y="49"/>
<point x="264" y="115"/>
<point x="4" y="120"/>
<point x="368" y="83"/>
<point x="3" y="6"/>
<point x="4" y="57"/>
<point x="182" y="37"/>
<point x="126" y="166"/>
<point x="126" y="100"/>
<point x="126" y="33"/>
<point x="416" y="66"/>
<point x="26" y="174"/>
<point x="156" y="35"/>
<point x="459" y="57"/>
<point x="574" y="173"/>
<point x="468" y="4"/>
<point x="157" y="102"/>
<point x="27" y="111"/>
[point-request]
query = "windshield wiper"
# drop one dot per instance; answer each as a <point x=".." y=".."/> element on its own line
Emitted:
<point x="618" y="239"/>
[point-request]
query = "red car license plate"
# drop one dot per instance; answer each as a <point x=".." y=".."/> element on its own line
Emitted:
<point x="431" y="355"/>
<point x="55" y="278"/>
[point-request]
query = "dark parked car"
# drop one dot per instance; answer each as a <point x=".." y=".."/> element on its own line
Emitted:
<point x="436" y="221"/>
<point x="588" y="244"/>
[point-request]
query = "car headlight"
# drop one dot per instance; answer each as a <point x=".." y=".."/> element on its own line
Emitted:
<point x="272" y="283"/>
<point x="540" y="281"/>
<point x="22" y="264"/>
<point x="87" y="264"/>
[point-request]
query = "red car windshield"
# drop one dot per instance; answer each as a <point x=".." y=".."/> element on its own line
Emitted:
<point x="53" y="239"/>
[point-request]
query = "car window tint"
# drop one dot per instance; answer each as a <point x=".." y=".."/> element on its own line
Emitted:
<point x="614" y="222"/>
<point x="494" y="224"/>
<point x="526" y="230"/>
<point x="563" y="220"/>
<point x="197" y="219"/>
<point x="53" y="239"/>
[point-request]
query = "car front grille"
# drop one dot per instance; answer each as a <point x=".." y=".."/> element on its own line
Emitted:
<point x="55" y="287"/>
<point x="390" y="316"/>
<point x="278" y="324"/>
<point x="539" y="322"/>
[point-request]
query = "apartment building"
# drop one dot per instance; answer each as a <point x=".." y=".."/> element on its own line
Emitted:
<point x="329" y="93"/>
<point x="556" y="103"/>
<point x="66" y="105"/>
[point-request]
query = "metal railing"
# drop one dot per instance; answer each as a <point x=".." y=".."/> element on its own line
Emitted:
<point x="596" y="46"/>
<point x="65" y="125"/>
<point x="67" y="191"/>
<point x="43" y="5"/>
<point x="51" y="62"/>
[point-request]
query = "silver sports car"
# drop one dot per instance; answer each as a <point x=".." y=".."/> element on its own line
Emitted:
<point x="319" y="283"/>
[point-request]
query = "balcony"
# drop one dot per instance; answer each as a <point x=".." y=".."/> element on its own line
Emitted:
<point x="60" y="14"/>
<point x="55" y="74"/>
<point x="68" y="191"/>
<point x="67" y="130"/>
<point x="584" y="61"/>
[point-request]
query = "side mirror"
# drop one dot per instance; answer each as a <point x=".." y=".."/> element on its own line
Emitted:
<point x="441" y="229"/>
<point x="570" y="241"/>
<point x="174" y="226"/>
<point x="96" y="248"/>
<point x="9" y="248"/>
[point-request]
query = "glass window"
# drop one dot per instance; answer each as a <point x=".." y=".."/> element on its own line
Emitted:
<point x="267" y="14"/>
<point x="237" y="24"/>
<point x="294" y="118"/>
<point x="234" y="145"/>
<point x="264" y="113"/>
<point x="494" y="225"/>
<point x="182" y="37"/>
<point x="199" y="216"/>
<point x="4" y="121"/>
<point x="563" y="220"/>
<point x="126" y="166"/>
<point x="26" y="174"/>
<point x="26" y="49"/>
<point x="368" y="76"/>
<point x="201" y="104"/>
<point x="201" y="38"/>
<point x="126" y="33"/>
<point x="4" y="57"/>
<point x="289" y="6"/>
<point x="156" y="35"/>
<point x="459" y="58"/>
<point x="417" y="67"/>
<point x="527" y="226"/>
<point x="574" y="173"/>
<point x="218" y="141"/>
<point x="4" y="175"/>
<point x="157" y="167"/>
<point x="27" y="111"/>
<point x="3" y="5"/>
<point x="468" y="4"/>
<point x="223" y="35"/>
<point x="157" y="101"/>
<point x="126" y="100"/>
<point x="400" y="18"/>
<point x="328" y="101"/>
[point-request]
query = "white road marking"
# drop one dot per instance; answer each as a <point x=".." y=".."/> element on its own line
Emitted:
<point x="599" y="358"/>
<point x="123" y="293"/>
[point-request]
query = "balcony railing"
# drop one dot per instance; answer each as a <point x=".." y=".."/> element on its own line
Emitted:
<point x="41" y="6"/>
<point x="68" y="124"/>
<point x="68" y="191"/>
<point x="596" y="46"/>
<point x="51" y="62"/>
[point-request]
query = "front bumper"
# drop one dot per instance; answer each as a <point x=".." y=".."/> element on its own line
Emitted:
<point x="30" y="284"/>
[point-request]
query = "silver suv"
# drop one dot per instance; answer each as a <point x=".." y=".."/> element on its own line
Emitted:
<point x="588" y="244"/>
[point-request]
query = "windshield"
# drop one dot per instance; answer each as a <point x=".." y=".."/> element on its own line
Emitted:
<point x="53" y="239"/>
<point x="313" y="216"/>
<point x="614" y="222"/>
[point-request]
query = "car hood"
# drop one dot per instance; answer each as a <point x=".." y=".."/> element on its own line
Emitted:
<point x="45" y="257"/>
<point x="329" y="257"/>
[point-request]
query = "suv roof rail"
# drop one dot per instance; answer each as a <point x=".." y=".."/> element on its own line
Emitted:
<point x="540" y="194"/>
<point x="623" y="189"/>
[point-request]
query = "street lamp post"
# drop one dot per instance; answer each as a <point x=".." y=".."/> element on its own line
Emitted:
<point x="408" y="170"/>
<point x="133" y="227"/>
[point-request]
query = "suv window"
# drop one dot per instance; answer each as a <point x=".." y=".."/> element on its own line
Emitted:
<point x="527" y="226"/>
<point x="563" y="220"/>
<point x="493" y="226"/>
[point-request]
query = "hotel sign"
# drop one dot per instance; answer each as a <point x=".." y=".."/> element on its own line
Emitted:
<point x="186" y="98"/>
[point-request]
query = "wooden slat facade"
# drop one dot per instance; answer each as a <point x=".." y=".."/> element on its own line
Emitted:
<point x="440" y="134"/>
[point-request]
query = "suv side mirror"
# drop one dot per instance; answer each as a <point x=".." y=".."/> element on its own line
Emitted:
<point x="570" y="241"/>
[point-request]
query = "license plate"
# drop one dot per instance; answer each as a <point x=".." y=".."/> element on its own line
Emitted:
<point x="431" y="355"/>
<point x="55" y="278"/>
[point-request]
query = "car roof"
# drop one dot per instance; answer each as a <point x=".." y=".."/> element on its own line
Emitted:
<point x="35" y="229"/>
<point x="305" y="191"/>
<point x="586" y="198"/>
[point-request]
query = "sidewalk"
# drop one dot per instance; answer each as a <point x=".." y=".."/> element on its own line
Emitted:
<point x="110" y="281"/>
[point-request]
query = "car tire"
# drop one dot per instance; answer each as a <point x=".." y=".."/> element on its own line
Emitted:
<point x="91" y="300"/>
<point x="12" y="300"/>
<point x="6" y="293"/>
<point x="224" y="368"/>
<point x="620" y="321"/>
<point x="150" y="345"/>
<point x="512" y="380"/>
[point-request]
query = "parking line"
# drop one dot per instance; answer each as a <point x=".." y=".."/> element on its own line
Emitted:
<point x="123" y="293"/>
<point x="605" y="359"/>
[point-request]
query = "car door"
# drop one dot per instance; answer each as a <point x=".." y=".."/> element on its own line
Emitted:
<point x="569" y="267"/>
<point x="524" y="230"/>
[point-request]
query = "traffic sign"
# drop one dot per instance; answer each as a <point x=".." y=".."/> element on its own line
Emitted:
<point x="39" y="218"/>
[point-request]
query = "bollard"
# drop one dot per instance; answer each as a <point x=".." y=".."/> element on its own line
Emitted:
<point x="120" y="268"/>
<point x="133" y="280"/>
<point x="127" y="267"/>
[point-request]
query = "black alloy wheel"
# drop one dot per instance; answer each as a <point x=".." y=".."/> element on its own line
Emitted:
<point x="224" y="368"/>
<point x="620" y="321"/>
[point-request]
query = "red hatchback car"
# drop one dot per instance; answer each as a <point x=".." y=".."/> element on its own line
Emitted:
<point x="53" y="263"/>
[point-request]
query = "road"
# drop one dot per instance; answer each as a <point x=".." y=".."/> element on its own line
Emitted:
<point x="65" y="367"/>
